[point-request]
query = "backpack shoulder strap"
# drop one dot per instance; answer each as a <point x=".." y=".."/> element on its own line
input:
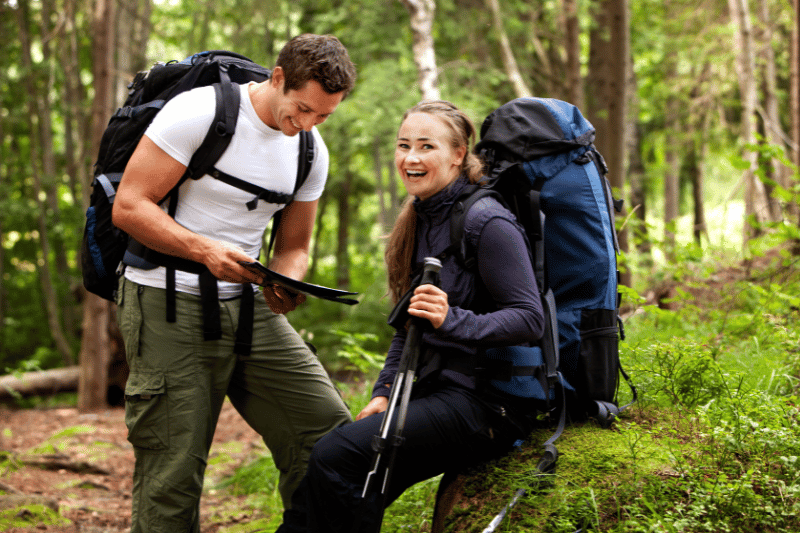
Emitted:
<point x="226" y="115"/>
<point x="305" y="160"/>
<point x="458" y="222"/>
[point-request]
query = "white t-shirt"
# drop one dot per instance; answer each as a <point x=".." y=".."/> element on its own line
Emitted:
<point x="257" y="154"/>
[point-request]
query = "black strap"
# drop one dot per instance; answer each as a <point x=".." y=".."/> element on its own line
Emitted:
<point x="244" y="330"/>
<point x="171" y="292"/>
<point x="550" y="338"/>
<point x="259" y="192"/>
<point x="209" y="298"/>
<point x="305" y="160"/>
<point x="458" y="220"/>
<point x="216" y="141"/>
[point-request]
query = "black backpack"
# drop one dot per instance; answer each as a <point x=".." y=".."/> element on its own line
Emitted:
<point x="543" y="166"/>
<point x="105" y="248"/>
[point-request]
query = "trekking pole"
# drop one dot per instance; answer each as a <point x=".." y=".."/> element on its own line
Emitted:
<point x="390" y="435"/>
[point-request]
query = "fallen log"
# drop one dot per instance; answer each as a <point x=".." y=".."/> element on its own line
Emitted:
<point x="44" y="382"/>
<point x="57" y="462"/>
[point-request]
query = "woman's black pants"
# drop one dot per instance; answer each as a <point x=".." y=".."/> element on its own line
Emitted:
<point x="447" y="429"/>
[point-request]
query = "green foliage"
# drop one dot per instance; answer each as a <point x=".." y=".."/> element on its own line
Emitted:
<point x="257" y="477"/>
<point x="355" y="357"/>
<point x="32" y="515"/>
<point x="58" y="440"/>
<point x="680" y="371"/>
<point x="413" y="510"/>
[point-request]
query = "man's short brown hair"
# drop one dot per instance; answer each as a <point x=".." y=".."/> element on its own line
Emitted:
<point x="322" y="58"/>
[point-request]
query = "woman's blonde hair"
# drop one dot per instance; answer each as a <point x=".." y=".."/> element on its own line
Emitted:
<point x="401" y="241"/>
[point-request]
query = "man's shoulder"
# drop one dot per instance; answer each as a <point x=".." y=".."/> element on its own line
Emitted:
<point x="197" y="101"/>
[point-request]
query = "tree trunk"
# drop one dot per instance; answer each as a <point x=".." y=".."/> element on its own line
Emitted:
<point x="609" y="102"/>
<point x="754" y="196"/>
<point x="133" y="32"/>
<point x="383" y="213"/>
<point x="671" y="180"/>
<point x="343" y="235"/>
<point x="35" y="114"/>
<point x="696" y="156"/>
<point x="619" y="11"/>
<point x="794" y="101"/>
<point x="422" y="12"/>
<point x="572" y="45"/>
<point x="597" y="90"/>
<point x="776" y="172"/>
<point x="700" y="121"/>
<point x="638" y="195"/>
<point x="95" y="354"/>
<point x="322" y="207"/>
<point x="74" y="118"/>
<point x="637" y="176"/>
<point x="521" y="89"/>
<point x="50" y="180"/>
<point x="3" y="299"/>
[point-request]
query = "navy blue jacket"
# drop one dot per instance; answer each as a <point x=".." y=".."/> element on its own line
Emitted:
<point x="495" y="304"/>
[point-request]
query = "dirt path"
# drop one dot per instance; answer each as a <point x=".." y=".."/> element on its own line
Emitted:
<point x="97" y="499"/>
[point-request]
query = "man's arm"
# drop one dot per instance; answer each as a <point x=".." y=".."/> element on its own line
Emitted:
<point x="290" y="255"/>
<point x="149" y="176"/>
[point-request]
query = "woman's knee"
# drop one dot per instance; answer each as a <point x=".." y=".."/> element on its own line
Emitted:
<point x="343" y="454"/>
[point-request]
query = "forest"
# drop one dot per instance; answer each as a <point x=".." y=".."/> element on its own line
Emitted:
<point x="696" y="105"/>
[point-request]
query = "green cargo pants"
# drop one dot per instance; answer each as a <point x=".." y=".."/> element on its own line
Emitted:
<point x="176" y="389"/>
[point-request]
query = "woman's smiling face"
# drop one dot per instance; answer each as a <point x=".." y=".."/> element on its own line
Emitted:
<point x="424" y="155"/>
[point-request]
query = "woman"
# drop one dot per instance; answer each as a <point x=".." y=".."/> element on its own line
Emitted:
<point x="450" y="423"/>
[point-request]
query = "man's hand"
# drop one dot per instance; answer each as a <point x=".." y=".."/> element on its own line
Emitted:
<point x="377" y="405"/>
<point x="281" y="300"/>
<point x="223" y="260"/>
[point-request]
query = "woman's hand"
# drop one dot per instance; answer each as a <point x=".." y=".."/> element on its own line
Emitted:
<point x="377" y="405"/>
<point x="429" y="302"/>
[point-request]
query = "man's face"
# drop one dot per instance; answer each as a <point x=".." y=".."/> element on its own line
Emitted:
<point x="300" y="109"/>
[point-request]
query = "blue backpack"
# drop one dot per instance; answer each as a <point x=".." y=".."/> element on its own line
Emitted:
<point x="542" y="165"/>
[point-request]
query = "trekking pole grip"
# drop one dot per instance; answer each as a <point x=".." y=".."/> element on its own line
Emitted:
<point x="430" y="272"/>
<point x="413" y="346"/>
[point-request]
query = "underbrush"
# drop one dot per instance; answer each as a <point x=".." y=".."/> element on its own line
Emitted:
<point x="712" y="445"/>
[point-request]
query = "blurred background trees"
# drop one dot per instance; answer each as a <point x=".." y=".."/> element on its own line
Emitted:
<point x="696" y="107"/>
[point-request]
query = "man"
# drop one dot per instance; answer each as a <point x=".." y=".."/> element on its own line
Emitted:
<point x="178" y="380"/>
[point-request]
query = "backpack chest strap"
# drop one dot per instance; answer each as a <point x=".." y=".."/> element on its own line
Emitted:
<point x="260" y="193"/>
